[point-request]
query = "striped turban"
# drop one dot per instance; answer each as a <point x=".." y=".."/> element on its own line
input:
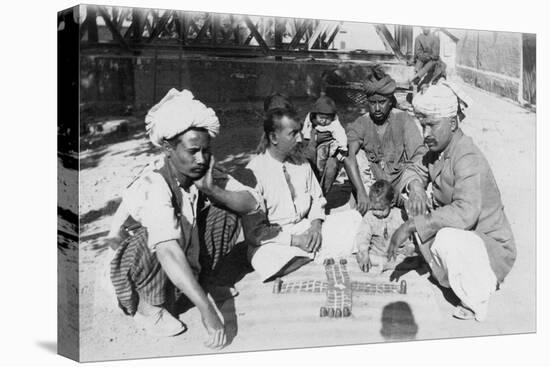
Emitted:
<point x="177" y="112"/>
<point x="444" y="99"/>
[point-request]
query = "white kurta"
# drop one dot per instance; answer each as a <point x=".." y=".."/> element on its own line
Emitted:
<point x="295" y="216"/>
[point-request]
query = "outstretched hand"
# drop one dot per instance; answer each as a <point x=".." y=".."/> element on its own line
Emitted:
<point x="398" y="238"/>
<point x="363" y="260"/>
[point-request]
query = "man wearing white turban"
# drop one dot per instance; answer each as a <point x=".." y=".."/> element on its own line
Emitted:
<point x="167" y="231"/>
<point x="465" y="238"/>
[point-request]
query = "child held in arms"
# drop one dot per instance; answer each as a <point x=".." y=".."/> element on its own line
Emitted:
<point x="327" y="138"/>
<point x="378" y="225"/>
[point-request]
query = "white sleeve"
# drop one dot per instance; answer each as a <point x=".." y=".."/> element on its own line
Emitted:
<point x="317" y="210"/>
<point x="306" y="129"/>
<point x="119" y="218"/>
<point x="339" y="134"/>
<point x="234" y="185"/>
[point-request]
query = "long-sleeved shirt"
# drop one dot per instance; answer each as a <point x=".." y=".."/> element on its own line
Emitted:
<point x="280" y="207"/>
<point x="465" y="196"/>
<point x="374" y="233"/>
<point x="400" y="145"/>
<point x="426" y="47"/>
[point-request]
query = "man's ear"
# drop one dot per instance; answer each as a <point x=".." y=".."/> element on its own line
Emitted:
<point x="167" y="148"/>
<point x="272" y="138"/>
<point x="454" y="123"/>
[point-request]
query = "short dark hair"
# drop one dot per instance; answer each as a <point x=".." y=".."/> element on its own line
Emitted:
<point x="174" y="140"/>
<point x="272" y="122"/>
<point x="381" y="190"/>
<point x="277" y="101"/>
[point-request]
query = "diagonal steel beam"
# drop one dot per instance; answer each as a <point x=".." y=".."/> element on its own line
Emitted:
<point x="135" y="31"/>
<point x="159" y="26"/>
<point x="254" y="32"/>
<point x="333" y="35"/>
<point x="301" y="29"/>
<point x="388" y="40"/>
<point x="204" y="28"/>
<point x="321" y="27"/>
<point x="114" y="31"/>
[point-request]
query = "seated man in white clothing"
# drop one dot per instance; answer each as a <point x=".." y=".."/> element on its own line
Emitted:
<point x="294" y="212"/>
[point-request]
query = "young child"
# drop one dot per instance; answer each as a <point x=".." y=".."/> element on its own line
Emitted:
<point x="378" y="225"/>
<point x="324" y="132"/>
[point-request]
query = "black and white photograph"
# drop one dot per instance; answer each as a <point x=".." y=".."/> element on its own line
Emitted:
<point x="233" y="182"/>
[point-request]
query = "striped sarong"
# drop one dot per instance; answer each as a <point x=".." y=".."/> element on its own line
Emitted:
<point x="137" y="274"/>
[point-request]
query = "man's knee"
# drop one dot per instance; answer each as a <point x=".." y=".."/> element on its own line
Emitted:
<point x="453" y="240"/>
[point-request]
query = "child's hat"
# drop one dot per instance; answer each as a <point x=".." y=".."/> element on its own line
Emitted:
<point x="324" y="105"/>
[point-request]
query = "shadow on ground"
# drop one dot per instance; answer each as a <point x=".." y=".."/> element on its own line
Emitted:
<point x="398" y="322"/>
<point x="49" y="346"/>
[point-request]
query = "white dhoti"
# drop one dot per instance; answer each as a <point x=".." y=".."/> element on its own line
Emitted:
<point x="463" y="259"/>
<point x="338" y="233"/>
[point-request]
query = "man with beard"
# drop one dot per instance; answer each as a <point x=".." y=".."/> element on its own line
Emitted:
<point x="160" y="230"/>
<point x="381" y="143"/>
<point x="294" y="206"/>
<point x="466" y="238"/>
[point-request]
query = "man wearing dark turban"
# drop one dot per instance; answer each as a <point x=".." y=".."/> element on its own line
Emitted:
<point x="383" y="142"/>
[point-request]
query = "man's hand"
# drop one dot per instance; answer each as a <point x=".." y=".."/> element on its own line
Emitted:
<point x="215" y="328"/>
<point x="362" y="202"/>
<point x="399" y="237"/>
<point x="206" y="183"/>
<point x="417" y="203"/>
<point x="363" y="260"/>
<point x="310" y="240"/>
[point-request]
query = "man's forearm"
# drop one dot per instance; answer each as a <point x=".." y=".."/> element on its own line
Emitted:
<point x="350" y="164"/>
<point x="317" y="223"/>
<point x="177" y="268"/>
<point x="241" y="202"/>
<point x="414" y="185"/>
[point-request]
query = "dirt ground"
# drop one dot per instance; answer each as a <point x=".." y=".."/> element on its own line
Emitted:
<point x="258" y="319"/>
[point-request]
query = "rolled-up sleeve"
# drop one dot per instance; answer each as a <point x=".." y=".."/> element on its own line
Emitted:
<point x="157" y="214"/>
<point x="355" y="131"/>
<point x="465" y="207"/>
<point x="234" y="185"/>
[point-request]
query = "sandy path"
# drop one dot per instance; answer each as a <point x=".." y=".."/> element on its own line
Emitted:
<point x="259" y="319"/>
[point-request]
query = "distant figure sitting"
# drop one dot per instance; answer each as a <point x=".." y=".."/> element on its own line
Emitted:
<point x="327" y="139"/>
<point x="428" y="66"/>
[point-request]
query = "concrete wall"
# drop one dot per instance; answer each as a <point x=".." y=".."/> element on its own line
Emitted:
<point x="110" y="82"/>
<point x="491" y="61"/>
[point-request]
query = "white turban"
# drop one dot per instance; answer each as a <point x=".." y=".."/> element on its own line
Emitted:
<point x="177" y="112"/>
<point x="441" y="100"/>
